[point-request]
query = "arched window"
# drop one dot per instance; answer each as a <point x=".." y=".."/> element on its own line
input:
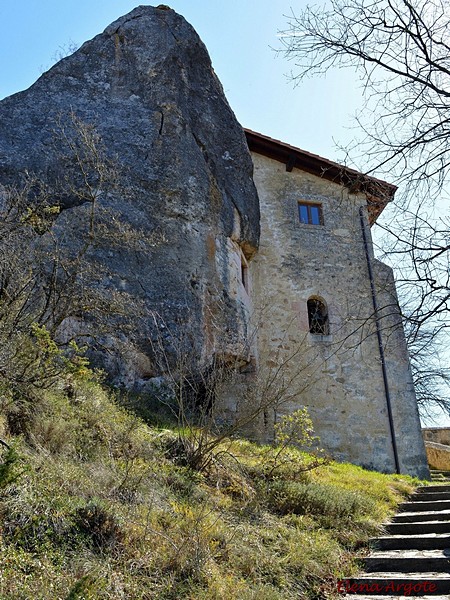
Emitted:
<point x="318" y="317"/>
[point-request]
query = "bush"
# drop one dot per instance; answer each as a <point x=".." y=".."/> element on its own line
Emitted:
<point x="99" y="525"/>
<point x="286" y="497"/>
<point x="84" y="589"/>
<point x="35" y="532"/>
<point x="11" y="467"/>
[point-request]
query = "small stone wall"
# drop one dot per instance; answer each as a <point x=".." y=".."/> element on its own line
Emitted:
<point x="439" y="435"/>
<point x="438" y="456"/>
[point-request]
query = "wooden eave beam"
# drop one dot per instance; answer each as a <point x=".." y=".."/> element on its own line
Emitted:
<point x="378" y="192"/>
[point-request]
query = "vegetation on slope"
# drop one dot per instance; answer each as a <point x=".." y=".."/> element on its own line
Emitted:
<point x="97" y="504"/>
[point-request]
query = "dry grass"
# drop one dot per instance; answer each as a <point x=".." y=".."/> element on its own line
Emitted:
<point x="94" y="507"/>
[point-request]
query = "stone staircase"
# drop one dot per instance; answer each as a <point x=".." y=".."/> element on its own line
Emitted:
<point x="440" y="476"/>
<point x="413" y="558"/>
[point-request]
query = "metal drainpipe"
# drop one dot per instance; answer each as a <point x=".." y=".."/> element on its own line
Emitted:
<point x="379" y="338"/>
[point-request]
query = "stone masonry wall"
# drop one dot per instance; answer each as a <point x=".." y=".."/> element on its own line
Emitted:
<point x="338" y="376"/>
<point x="407" y="428"/>
<point x="439" y="435"/>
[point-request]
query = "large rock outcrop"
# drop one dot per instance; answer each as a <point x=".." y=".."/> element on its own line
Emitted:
<point x="182" y="200"/>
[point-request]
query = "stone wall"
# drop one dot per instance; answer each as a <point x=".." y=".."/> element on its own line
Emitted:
<point x="338" y="376"/>
<point x="438" y="456"/>
<point x="440" y="435"/>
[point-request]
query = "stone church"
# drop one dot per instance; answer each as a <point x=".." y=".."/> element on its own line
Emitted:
<point x="261" y="251"/>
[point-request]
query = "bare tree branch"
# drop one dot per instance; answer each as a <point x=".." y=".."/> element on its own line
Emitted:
<point x="401" y="51"/>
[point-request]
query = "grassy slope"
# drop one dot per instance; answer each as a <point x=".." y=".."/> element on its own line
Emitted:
<point x="96" y="506"/>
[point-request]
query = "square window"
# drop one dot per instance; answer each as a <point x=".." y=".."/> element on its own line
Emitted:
<point x="311" y="214"/>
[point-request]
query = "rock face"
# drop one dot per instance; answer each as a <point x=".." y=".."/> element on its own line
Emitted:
<point x="183" y="204"/>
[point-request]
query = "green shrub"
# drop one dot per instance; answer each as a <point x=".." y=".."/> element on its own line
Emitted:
<point x="84" y="589"/>
<point x="35" y="532"/>
<point x="11" y="467"/>
<point x="99" y="525"/>
<point x="286" y="497"/>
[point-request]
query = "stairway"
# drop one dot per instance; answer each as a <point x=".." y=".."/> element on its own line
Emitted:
<point x="440" y="476"/>
<point x="413" y="559"/>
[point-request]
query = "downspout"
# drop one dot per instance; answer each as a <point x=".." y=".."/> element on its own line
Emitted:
<point x="379" y="338"/>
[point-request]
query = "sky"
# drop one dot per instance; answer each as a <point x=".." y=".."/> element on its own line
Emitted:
<point x="241" y="36"/>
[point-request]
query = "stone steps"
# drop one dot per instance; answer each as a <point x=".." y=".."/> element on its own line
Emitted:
<point x="431" y="496"/>
<point x="432" y="488"/>
<point x="418" y="517"/>
<point x="417" y="528"/>
<point x="412" y="559"/>
<point x="409" y="561"/>
<point x="419" y="506"/>
<point x="391" y="585"/>
<point x="439" y="475"/>
<point x="422" y="541"/>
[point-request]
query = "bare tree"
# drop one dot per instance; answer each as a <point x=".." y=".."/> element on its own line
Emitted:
<point x="430" y="374"/>
<point x="45" y="281"/>
<point x="196" y="394"/>
<point x="401" y="51"/>
<point x="420" y="245"/>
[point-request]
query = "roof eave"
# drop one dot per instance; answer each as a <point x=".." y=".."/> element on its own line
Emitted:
<point x="378" y="192"/>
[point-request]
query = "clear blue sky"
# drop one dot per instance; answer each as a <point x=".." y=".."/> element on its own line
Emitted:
<point x="239" y="35"/>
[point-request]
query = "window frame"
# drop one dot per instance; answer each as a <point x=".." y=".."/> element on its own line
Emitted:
<point x="309" y="206"/>
<point x="318" y="326"/>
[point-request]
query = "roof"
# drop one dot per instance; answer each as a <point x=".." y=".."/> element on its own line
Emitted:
<point x="378" y="192"/>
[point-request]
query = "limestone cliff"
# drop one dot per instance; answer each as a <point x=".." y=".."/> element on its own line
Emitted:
<point x="183" y="189"/>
